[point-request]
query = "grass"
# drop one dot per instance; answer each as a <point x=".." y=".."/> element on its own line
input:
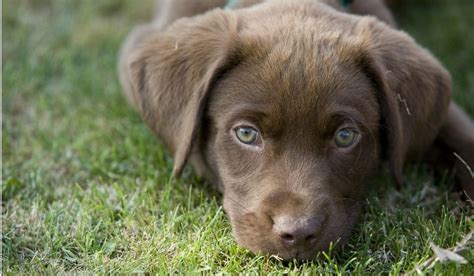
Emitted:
<point x="85" y="184"/>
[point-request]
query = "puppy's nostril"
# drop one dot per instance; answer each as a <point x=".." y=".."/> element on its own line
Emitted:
<point x="287" y="237"/>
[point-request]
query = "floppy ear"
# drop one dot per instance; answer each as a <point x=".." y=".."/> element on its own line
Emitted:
<point x="413" y="90"/>
<point x="167" y="75"/>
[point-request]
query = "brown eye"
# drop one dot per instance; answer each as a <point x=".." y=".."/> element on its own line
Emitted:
<point x="246" y="135"/>
<point x="345" y="137"/>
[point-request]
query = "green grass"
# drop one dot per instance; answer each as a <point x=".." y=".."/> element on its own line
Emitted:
<point x="85" y="184"/>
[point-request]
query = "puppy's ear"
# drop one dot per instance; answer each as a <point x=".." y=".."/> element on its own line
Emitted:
<point x="167" y="75"/>
<point x="413" y="90"/>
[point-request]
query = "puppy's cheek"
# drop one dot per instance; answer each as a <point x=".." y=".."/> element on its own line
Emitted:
<point x="237" y="161"/>
<point x="252" y="233"/>
<point x="340" y="225"/>
<point x="349" y="172"/>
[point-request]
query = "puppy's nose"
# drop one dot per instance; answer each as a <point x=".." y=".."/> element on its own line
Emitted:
<point x="293" y="231"/>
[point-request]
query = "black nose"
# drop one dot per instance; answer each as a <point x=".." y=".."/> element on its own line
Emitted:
<point x="294" y="231"/>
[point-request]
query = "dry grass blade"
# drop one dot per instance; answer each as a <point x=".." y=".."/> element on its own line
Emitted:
<point x="465" y="164"/>
<point x="444" y="255"/>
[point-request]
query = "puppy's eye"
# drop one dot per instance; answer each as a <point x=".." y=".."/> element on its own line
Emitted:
<point x="345" y="137"/>
<point x="246" y="135"/>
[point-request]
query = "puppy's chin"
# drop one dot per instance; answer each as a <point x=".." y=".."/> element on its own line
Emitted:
<point x="255" y="232"/>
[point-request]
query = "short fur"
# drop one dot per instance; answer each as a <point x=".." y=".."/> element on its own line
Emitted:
<point x="297" y="71"/>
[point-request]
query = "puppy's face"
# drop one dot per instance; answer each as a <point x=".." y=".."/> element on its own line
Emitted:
<point x="287" y="106"/>
<point x="294" y="135"/>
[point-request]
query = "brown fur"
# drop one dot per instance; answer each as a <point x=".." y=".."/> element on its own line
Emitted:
<point x="297" y="71"/>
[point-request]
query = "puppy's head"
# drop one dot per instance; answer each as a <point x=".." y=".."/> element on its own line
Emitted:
<point x="289" y="107"/>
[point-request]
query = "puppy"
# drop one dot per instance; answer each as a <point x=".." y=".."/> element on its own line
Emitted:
<point x="288" y="107"/>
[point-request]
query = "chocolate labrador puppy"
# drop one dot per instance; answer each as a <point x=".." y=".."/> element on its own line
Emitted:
<point x="288" y="107"/>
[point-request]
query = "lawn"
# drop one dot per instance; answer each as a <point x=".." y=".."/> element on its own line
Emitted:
<point x="86" y="186"/>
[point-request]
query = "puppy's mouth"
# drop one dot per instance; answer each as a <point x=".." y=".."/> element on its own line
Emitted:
<point x="263" y="236"/>
<point x="307" y="255"/>
<point x="299" y="255"/>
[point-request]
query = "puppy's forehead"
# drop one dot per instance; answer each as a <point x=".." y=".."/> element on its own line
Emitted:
<point x="297" y="76"/>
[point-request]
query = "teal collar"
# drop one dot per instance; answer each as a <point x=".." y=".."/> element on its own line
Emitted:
<point x="231" y="4"/>
<point x="346" y="3"/>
